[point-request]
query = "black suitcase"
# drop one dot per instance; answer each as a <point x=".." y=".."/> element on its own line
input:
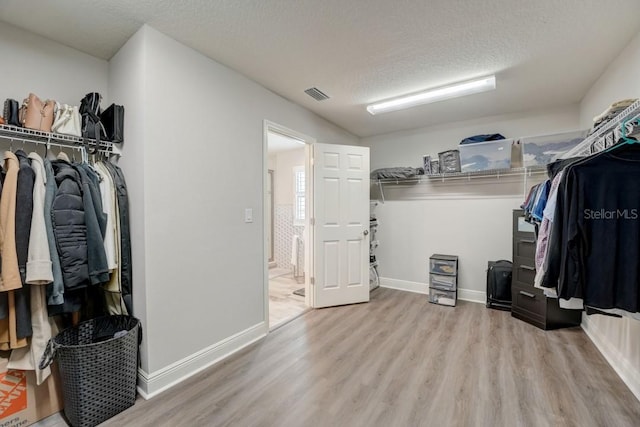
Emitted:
<point x="499" y="284"/>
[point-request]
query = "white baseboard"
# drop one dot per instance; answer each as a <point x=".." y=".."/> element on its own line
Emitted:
<point x="404" y="285"/>
<point x="472" y="296"/>
<point x="629" y="374"/>
<point x="150" y="385"/>
<point x="423" y="288"/>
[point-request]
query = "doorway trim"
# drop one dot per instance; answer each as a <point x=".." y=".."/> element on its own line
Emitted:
<point x="271" y="209"/>
<point x="269" y="126"/>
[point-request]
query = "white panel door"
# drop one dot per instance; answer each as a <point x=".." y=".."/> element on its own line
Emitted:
<point x="341" y="224"/>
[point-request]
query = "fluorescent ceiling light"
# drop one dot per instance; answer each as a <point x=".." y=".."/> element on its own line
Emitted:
<point x="434" y="95"/>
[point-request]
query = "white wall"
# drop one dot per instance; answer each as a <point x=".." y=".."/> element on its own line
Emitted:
<point x="127" y="87"/>
<point x="619" y="81"/>
<point x="618" y="339"/>
<point x="31" y="63"/>
<point x="198" y="165"/>
<point x="471" y="219"/>
<point x="285" y="162"/>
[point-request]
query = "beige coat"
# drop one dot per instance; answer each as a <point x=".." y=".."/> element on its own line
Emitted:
<point x="28" y="358"/>
<point x="10" y="274"/>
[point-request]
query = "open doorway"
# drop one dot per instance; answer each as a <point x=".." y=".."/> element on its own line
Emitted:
<point x="286" y="222"/>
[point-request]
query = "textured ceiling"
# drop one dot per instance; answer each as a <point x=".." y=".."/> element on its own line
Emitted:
<point x="544" y="52"/>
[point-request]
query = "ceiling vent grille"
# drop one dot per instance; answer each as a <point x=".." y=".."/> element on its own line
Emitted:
<point x="316" y="94"/>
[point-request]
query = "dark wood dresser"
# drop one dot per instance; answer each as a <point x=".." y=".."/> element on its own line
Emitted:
<point x="529" y="303"/>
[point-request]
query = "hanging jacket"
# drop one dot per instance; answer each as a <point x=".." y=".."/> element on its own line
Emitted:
<point x="96" y="196"/>
<point x="10" y="272"/>
<point x="4" y="302"/>
<point x="39" y="271"/>
<point x="24" y="212"/>
<point x="69" y="226"/>
<point x="92" y="203"/>
<point x="55" y="290"/>
<point x="44" y="327"/>
<point x="114" y="302"/>
<point x="107" y="192"/>
<point x="125" y="237"/>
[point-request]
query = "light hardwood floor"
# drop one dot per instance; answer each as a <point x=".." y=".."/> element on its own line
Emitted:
<point x="283" y="304"/>
<point x="400" y="361"/>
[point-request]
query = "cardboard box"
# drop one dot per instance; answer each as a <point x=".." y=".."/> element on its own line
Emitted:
<point x="22" y="402"/>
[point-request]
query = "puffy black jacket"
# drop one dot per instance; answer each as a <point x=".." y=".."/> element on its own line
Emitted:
<point x="69" y="226"/>
<point x="96" y="256"/>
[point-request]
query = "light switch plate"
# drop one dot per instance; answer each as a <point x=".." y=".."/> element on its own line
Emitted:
<point x="248" y="215"/>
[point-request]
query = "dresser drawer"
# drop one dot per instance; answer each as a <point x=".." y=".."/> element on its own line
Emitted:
<point x="529" y="300"/>
<point x="524" y="247"/>
<point x="524" y="270"/>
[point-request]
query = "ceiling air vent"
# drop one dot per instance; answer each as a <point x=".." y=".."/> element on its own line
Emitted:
<point x="316" y="94"/>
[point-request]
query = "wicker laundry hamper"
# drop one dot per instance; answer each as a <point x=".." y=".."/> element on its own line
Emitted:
<point x="98" y="371"/>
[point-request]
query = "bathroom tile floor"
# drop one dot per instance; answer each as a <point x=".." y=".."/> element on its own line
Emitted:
<point x="283" y="304"/>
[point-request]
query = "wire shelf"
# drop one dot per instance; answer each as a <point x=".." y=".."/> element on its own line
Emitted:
<point x="20" y="134"/>
<point x="458" y="176"/>
<point x="491" y="173"/>
<point x="605" y="135"/>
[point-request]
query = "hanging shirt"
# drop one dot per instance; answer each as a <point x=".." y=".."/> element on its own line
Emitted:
<point x="541" y="201"/>
<point x="600" y="209"/>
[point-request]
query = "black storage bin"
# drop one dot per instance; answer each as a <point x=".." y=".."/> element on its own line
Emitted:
<point x="98" y="371"/>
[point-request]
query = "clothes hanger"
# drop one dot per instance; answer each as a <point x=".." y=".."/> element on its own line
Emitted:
<point x="63" y="156"/>
<point x="623" y="136"/>
<point x="634" y="130"/>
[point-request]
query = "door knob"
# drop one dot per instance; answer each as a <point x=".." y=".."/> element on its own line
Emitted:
<point x="365" y="232"/>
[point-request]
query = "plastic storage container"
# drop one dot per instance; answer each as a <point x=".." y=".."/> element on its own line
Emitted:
<point x="443" y="279"/>
<point x="98" y="362"/>
<point x="481" y="156"/>
<point x="542" y="150"/>
<point x="443" y="264"/>
<point x="446" y="283"/>
<point x="441" y="297"/>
